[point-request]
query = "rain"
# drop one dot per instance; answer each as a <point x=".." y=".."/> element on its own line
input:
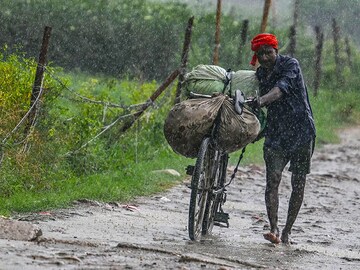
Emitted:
<point x="98" y="142"/>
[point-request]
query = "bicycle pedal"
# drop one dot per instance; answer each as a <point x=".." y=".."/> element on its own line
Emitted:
<point x="190" y="169"/>
<point x="221" y="217"/>
<point x="218" y="224"/>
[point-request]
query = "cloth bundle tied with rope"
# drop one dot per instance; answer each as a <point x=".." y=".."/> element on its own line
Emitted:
<point x="190" y="120"/>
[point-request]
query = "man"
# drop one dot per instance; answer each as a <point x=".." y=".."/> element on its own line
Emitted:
<point x="290" y="130"/>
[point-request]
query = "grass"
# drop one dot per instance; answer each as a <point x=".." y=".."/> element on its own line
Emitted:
<point x="141" y="179"/>
<point x="334" y="111"/>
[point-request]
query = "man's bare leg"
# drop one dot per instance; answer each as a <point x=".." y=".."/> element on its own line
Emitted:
<point x="298" y="186"/>
<point x="272" y="205"/>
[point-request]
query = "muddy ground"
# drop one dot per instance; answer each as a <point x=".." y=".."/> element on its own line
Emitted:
<point x="151" y="233"/>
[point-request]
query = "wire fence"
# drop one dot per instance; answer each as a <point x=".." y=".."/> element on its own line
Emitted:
<point x="128" y="112"/>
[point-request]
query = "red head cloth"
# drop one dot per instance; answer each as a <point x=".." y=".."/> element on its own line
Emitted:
<point x="260" y="40"/>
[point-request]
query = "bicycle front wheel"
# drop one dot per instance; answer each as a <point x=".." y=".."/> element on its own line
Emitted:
<point x="200" y="186"/>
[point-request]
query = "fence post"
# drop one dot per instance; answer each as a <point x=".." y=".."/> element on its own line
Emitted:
<point x="217" y="34"/>
<point x="184" y="58"/>
<point x="336" y="36"/>
<point x="293" y="31"/>
<point x="318" y="58"/>
<point x="39" y="76"/>
<point x="243" y="40"/>
<point x="151" y="99"/>
<point x="292" y="44"/>
<point x="348" y="51"/>
<point x="274" y="17"/>
<point x="267" y="6"/>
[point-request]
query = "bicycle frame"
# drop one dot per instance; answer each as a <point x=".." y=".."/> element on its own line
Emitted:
<point x="208" y="183"/>
<point x="208" y="192"/>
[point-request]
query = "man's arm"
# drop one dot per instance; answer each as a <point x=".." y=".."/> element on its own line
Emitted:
<point x="274" y="94"/>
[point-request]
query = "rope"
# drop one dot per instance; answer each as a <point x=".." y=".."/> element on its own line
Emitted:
<point x="237" y="166"/>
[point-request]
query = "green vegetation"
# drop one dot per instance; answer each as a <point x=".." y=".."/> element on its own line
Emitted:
<point x="65" y="156"/>
<point x="57" y="168"/>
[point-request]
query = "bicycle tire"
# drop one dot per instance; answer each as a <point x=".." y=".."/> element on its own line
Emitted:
<point x="214" y="199"/>
<point x="199" y="189"/>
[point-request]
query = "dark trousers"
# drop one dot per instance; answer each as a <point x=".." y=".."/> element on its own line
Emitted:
<point x="276" y="160"/>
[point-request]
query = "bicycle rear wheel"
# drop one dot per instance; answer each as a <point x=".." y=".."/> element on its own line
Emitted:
<point x="216" y="194"/>
<point x="200" y="186"/>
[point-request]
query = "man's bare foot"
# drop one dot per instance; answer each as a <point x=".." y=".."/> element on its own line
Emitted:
<point x="285" y="239"/>
<point x="272" y="237"/>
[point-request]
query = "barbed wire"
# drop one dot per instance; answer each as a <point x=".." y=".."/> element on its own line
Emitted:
<point x="89" y="100"/>
<point x="8" y="135"/>
<point x="97" y="135"/>
<point x="106" y="104"/>
<point x="23" y="118"/>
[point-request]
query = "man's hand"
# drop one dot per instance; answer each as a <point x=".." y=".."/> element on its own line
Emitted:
<point x="273" y="95"/>
<point x="253" y="103"/>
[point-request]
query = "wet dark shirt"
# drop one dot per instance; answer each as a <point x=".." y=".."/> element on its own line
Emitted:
<point x="290" y="122"/>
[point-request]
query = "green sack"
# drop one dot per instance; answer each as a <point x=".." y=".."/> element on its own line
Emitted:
<point x="246" y="81"/>
<point x="205" y="79"/>
<point x="210" y="79"/>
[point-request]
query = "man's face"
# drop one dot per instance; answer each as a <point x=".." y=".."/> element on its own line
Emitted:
<point x="266" y="56"/>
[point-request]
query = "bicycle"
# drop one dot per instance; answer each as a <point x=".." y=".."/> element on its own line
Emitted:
<point x="208" y="183"/>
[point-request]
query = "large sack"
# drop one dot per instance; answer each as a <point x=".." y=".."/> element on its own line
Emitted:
<point x="236" y="131"/>
<point x="189" y="121"/>
<point x="209" y="79"/>
<point x="246" y="81"/>
<point x="205" y="79"/>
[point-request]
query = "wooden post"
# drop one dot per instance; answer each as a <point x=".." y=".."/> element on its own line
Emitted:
<point x="318" y="59"/>
<point x="217" y="34"/>
<point x="39" y="76"/>
<point x="267" y="6"/>
<point x="243" y="40"/>
<point x="274" y="14"/>
<point x="184" y="58"/>
<point x="152" y="98"/>
<point x="292" y="44"/>
<point x="348" y="51"/>
<point x="336" y="36"/>
<point x="293" y="32"/>
<point x="296" y="13"/>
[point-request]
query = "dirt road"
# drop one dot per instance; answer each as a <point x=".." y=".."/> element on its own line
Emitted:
<point x="151" y="233"/>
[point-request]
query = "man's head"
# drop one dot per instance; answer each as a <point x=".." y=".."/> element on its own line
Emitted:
<point x="265" y="47"/>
